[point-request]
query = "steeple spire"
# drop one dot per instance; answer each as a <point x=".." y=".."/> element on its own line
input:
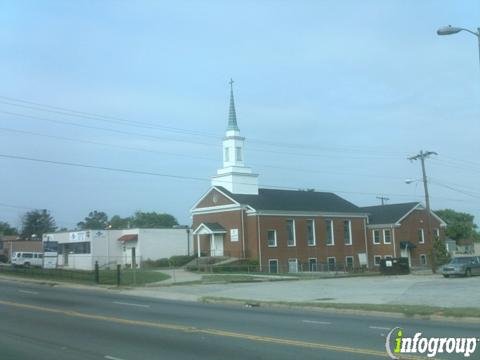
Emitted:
<point x="232" y="115"/>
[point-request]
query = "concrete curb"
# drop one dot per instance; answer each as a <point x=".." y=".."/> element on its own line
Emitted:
<point x="395" y="315"/>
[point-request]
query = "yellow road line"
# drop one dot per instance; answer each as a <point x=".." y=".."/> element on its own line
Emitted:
<point x="214" y="332"/>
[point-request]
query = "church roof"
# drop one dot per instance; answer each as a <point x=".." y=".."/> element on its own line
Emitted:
<point x="388" y="214"/>
<point x="232" y="115"/>
<point x="295" y="200"/>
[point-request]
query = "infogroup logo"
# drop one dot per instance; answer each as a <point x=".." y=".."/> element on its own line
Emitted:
<point x="430" y="346"/>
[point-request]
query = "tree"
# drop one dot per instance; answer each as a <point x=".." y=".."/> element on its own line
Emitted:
<point x="153" y="220"/>
<point x="6" y="229"/>
<point x="96" y="220"/>
<point x="37" y="222"/>
<point x="459" y="225"/>
<point x="117" y="222"/>
<point x="438" y="254"/>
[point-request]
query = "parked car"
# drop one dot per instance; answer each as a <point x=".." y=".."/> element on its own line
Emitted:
<point x="464" y="266"/>
<point x="26" y="258"/>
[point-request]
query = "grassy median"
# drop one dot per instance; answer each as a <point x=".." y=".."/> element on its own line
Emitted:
<point x="406" y="310"/>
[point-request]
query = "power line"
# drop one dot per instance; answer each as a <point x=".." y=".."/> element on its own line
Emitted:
<point x="127" y="133"/>
<point x="456" y="190"/>
<point x="181" y="177"/>
<point x="154" y="137"/>
<point x="105" y="118"/>
<point x="16" y="206"/>
<point x="115" y="119"/>
<point x="259" y="165"/>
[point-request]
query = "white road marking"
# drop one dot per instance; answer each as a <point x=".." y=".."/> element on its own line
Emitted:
<point x="316" y="322"/>
<point x="112" y="357"/>
<point x="379" y="328"/>
<point x="131" y="304"/>
<point x="28" y="292"/>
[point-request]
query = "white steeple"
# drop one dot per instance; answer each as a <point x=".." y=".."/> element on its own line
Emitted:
<point x="235" y="176"/>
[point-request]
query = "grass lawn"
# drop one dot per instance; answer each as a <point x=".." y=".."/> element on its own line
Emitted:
<point x="106" y="277"/>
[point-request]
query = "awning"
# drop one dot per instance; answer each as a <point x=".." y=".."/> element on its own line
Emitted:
<point x="407" y="245"/>
<point x="128" y="237"/>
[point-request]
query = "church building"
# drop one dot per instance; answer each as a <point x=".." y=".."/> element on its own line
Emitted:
<point x="284" y="230"/>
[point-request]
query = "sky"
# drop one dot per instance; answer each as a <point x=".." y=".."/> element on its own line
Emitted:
<point x="330" y="95"/>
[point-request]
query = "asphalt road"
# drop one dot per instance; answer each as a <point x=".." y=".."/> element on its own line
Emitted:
<point x="44" y="322"/>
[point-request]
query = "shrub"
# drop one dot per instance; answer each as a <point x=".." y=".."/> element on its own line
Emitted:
<point x="3" y="258"/>
<point x="180" y="260"/>
<point x="159" y="263"/>
<point x="176" y="260"/>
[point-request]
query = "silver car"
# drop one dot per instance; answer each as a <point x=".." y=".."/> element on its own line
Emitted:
<point x="464" y="266"/>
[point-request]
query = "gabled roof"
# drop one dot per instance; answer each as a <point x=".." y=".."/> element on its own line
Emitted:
<point x="388" y="214"/>
<point x="209" y="228"/>
<point x="294" y="200"/>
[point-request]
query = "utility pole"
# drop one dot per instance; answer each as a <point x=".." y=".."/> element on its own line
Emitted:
<point x="383" y="199"/>
<point x="422" y="156"/>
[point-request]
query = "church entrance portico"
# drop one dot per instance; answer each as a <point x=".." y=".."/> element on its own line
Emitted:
<point x="216" y="235"/>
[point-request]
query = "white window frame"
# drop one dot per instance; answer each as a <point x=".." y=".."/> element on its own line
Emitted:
<point x="226" y="154"/>
<point x="296" y="264"/>
<point x="422" y="240"/>
<point x="379" y="237"/>
<point x="313" y="233"/>
<point x="269" y="267"/>
<point x="332" y="233"/>
<point x="316" y="264"/>
<point x="275" y="237"/>
<point x="437" y="232"/>
<point x="353" y="261"/>
<point x="425" y="257"/>
<point x="350" y="240"/>
<point x="334" y="263"/>
<point x="385" y="238"/>
<point x="238" y="153"/>
<point x="375" y="257"/>
<point x="388" y="257"/>
<point x="294" y="235"/>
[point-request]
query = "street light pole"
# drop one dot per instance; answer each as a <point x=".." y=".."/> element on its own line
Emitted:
<point x="450" y="30"/>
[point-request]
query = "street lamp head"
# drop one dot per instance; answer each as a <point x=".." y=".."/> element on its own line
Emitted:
<point x="448" y="30"/>
<point x="409" y="181"/>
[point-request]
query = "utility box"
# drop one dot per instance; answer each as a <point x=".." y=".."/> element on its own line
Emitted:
<point x="396" y="266"/>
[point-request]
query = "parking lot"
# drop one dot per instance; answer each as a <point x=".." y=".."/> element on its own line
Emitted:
<point x="431" y="290"/>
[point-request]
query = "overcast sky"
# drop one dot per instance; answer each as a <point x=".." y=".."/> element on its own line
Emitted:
<point x="331" y="95"/>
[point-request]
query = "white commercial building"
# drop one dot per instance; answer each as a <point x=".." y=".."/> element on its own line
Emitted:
<point x="81" y="249"/>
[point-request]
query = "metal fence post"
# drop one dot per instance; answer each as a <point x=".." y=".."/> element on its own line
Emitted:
<point x="97" y="273"/>
<point x="118" y="275"/>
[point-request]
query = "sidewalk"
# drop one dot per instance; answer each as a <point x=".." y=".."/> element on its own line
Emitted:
<point x="177" y="276"/>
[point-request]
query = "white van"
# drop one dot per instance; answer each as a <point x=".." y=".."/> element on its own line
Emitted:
<point x="25" y="258"/>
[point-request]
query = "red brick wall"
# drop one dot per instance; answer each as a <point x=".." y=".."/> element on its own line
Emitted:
<point x="229" y="220"/>
<point x="302" y="251"/>
<point x="207" y="201"/>
<point x="407" y="231"/>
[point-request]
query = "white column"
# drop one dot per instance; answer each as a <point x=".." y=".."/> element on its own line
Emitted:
<point x="212" y="244"/>
<point x="198" y="245"/>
